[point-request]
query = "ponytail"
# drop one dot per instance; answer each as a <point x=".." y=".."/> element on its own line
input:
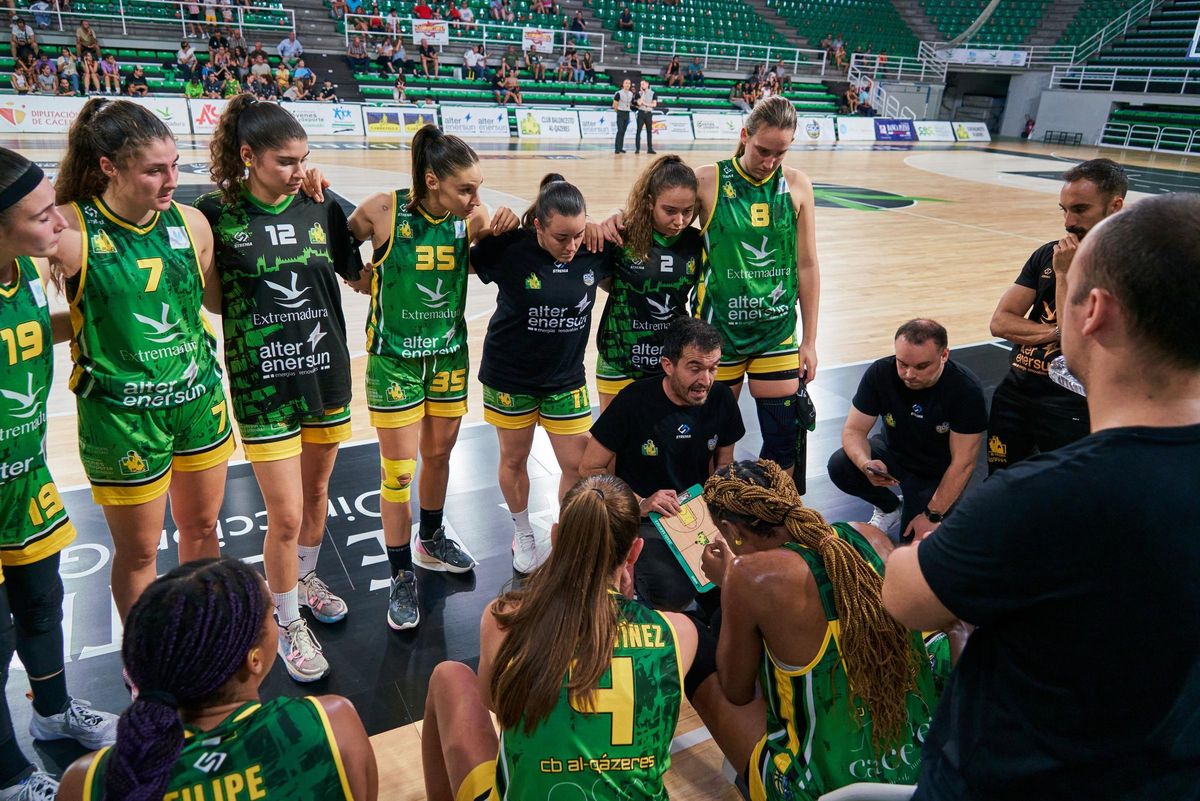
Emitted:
<point x="566" y="618"/>
<point x="775" y="111"/>
<point x="442" y="154"/>
<point x="555" y="196"/>
<point x="115" y="129"/>
<point x="186" y="636"/>
<point x="246" y="121"/>
<point x="666" y="172"/>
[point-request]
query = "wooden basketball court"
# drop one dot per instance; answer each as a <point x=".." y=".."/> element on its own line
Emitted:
<point x="902" y="231"/>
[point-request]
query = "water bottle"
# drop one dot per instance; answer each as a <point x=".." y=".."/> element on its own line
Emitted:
<point x="1062" y="376"/>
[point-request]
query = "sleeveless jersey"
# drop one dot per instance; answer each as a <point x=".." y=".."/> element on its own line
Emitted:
<point x="26" y="369"/>
<point x="818" y="732"/>
<point x="277" y="749"/>
<point x="419" y="288"/>
<point x="646" y="295"/>
<point x="141" y="340"/>
<point x="621" y="749"/>
<point x="285" y="334"/>
<point x="748" y="286"/>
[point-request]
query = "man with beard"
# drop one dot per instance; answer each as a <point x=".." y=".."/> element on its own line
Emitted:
<point x="662" y="435"/>
<point x="1030" y="413"/>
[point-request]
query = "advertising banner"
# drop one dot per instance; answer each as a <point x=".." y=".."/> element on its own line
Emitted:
<point x="542" y="123"/>
<point x="713" y="125"/>
<point x="855" y="129"/>
<point x="898" y="130"/>
<point x="672" y="128"/>
<point x="602" y="124"/>
<point x="327" y="118"/>
<point x="971" y="132"/>
<point x="35" y="113"/>
<point x="205" y="114"/>
<point x="171" y="110"/>
<point x="984" y="57"/>
<point x="434" y="31"/>
<point x="815" y="129"/>
<point x="391" y="122"/>
<point x="934" y="131"/>
<point x="539" y="39"/>
<point x="475" y="120"/>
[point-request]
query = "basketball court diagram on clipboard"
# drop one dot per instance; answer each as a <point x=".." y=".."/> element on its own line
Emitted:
<point x="687" y="534"/>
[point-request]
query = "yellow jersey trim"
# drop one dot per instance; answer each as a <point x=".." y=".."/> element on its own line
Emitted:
<point x="247" y="712"/>
<point x="429" y="216"/>
<point x="89" y="778"/>
<point x="716" y="199"/>
<point x="8" y="293"/>
<point x="83" y="253"/>
<point x="392" y="230"/>
<point x="333" y="746"/>
<point x="737" y="166"/>
<point x="678" y="656"/>
<point x="117" y="219"/>
<point x="195" y="251"/>
<point x="830" y="625"/>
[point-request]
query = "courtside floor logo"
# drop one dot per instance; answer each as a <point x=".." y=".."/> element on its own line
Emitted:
<point x="835" y="196"/>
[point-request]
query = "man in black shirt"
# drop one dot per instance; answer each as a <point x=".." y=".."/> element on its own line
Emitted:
<point x="1029" y="411"/>
<point x="933" y="420"/>
<point x="1080" y="566"/>
<point x="662" y="435"/>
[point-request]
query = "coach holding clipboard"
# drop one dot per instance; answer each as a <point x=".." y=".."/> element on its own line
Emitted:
<point x="661" y="435"/>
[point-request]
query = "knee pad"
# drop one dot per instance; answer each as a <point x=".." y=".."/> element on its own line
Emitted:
<point x="780" y="425"/>
<point x="397" y="479"/>
<point x="42" y="612"/>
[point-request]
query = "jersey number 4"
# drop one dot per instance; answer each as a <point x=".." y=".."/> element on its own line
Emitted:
<point x="616" y="701"/>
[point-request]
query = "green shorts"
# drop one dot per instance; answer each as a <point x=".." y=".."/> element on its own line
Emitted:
<point x="610" y="379"/>
<point x="33" y="521"/>
<point x="282" y="438"/>
<point x="402" y="391"/>
<point x="129" y="453"/>
<point x="560" y="413"/>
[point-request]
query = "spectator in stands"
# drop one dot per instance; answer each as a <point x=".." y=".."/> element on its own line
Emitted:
<point x="509" y="62"/>
<point x="218" y="62"/>
<point x="839" y="58"/>
<point x="850" y="96"/>
<point x="422" y="10"/>
<point x="578" y="25"/>
<point x="290" y="49"/>
<point x="864" y="101"/>
<point x="354" y="7"/>
<point x="506" y="12"/>
<point x="839" y="43"/>
<point x="534" y="65"/>
<point x="295" y="92"/>
<point x="185" y="60"/>
<point x="768" y="88"/>
<point x="400" y="59"/>
<point x="737" y="97"/>
<point x="265" y="89"/>
<point x="391" y="23"/>
<point x="467" y="16"/>
<point x="19" y="80"/>
<point x="86" y="41"/>
<point x="217" y="40"/>
<point x="537" y="7"/>
<point x="751" y="92"/>
<point x="827" y="44"/>
<point x="45" y="81"/>
<point x="400" y="89"/>
<point x="90" y="70"/>
<point x="495" y="10"/>
<point x="193" y="17"/>
<point x="261" y="68"/>
<point x="512" y="89"/>
<point x="110" y="71"/>
<point x="565" y="66"/>
<point x="337" y="9"/>
<point x="587" y="68"/>
<point x="781" y="74"/>
<point x="375" y="19"/>
<point x="471" y="61"/>
<point x="41" y="14"/>
<point x="236" y="40"/>
<point x="625" y="20"/>
<point x="258" y="51"/>
<point x="240" y="63"/>
<point x="135" y="83"/>
<point x="673" y="73"/>
<point x="23" y="40"/>
<point x="429" y="59"/>
<point x="194" y="88"/>
<point x="883" y="58"/>
<point x="356" y="56"/>
<point x="65" y="89"/>
<point x="44" y="59"/>
<point x="695" y="73"/>
<point x="304" y="75"/>
<point x="283" y="78"/>
<point x="383" y="57"/>
<point x="210" y="15"/>
<point x="68" y="67"/>
<point x="212" y="85"/>
<point x="327" y="93"/>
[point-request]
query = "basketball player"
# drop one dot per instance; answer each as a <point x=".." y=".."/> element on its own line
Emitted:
<point x="760" y="257"/>
<point x="417" y="350"/>
<point x="1030" y="413"/>
<point x="34" y="526"/>
<point x="532" y="370"/>
<point x="586" y="684"/>
<point x="153" y="417"/>
<point x="199" y="643"/>
<point x="279" y="253"/>
<point x="848" y="691"/>
<point x="652" y="276"/>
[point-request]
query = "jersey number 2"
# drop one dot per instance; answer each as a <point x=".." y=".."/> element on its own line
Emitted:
<point x="616" y="701"/>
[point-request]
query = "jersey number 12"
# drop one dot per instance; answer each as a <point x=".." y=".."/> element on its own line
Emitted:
<point x="282" y="234"/>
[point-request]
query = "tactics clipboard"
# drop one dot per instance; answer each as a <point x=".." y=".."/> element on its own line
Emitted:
<point x="687" y="533"/>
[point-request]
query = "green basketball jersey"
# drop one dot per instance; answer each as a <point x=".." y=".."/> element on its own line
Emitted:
<point x="26" y="369"/>
<point x="285" y="334"/>
<point x="419" y="288"/>
<point x="278" y="749"/>
<point x="818" y="731"/>
<point x="141" y="339"/>
<point x="619" y="749"/>
<point x="646" y="295"/>
<point x="748" y="286"/>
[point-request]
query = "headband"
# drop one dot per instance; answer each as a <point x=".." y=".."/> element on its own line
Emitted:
<point x="15" y="192"/>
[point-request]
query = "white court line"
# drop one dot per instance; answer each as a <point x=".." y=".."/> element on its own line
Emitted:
<point x="969" y="225"/>
<point x="686" y="740"/>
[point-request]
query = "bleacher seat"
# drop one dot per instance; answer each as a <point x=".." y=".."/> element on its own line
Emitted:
<point x="1183" y="121"/>
<point x="1160" y="40"/>
<point x="872" y="24"/>
<point x="1010" y="24"/>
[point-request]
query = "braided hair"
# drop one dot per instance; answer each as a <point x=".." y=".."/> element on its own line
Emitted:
<point x="186" y="636"/>
<point x="881" y="665"/>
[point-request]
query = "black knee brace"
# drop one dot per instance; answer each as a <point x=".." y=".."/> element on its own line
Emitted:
<point x="779" y="424"/>
<point x="39" y="608"/>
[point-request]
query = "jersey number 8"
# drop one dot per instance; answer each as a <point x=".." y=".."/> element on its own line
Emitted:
<point x="616" y="700"/>
<point x="442" y="258"/>
<point x="760" y="215"/>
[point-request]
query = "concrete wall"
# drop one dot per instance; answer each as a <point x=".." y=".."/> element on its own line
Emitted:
<point x="1024" y="93"/>
<point x="1086" y="112"/>
<point x="923" y="98"/>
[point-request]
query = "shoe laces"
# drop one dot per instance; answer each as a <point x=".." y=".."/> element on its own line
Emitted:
<point x="526" y="540"/>
<point x="40" y="786"/>
<point x="405" y="585"/>
<point x="317" y="588"/>
<point x="301" y="641"/>
<point x="80" y="714"/>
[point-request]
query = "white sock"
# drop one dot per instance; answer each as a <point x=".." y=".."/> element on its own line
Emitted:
<point x="308" y="558"/>
<point x="521" y="520"/>
<point x="287" y="606"/>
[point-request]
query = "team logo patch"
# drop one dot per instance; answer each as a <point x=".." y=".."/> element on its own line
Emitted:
<point x="404" y="230"/>
<point x="177" y="238"/>
<point x="918" y="411"/>
<point x="684" y="429"/>
<point x="997" y="450"/>
<point x="242" y="239"/>
<point x="102" y="244"/>
<point x="132" y="463"/>
<point x="589" y="278"/>
<point x="395" y="392"/>
<point x="729" y="191"/>
<point x="533" y="282"/>
<point x="943" y="428"/>
<point x="889" y="421"/>
<point x="691" y="266"/>
<point x="649" y="448"/>
<point x="460" y="229"/>
<point x="316" y="234"/>
<point x="504" y="399"/>
<point x="39" y="294"/>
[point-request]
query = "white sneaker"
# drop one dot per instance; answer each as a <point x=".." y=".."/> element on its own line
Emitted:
<point x="885" y="521"/>
<point x="38" y="786"/>
<point x="530" y="550"/>
<point x="89" y="727"/>
<point x="301" y="652"/>
<point x="325" y="606"/>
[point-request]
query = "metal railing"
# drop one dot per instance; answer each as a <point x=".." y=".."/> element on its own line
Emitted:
<point x="490" y="35"/>
<point x="899" y="68"/>
<point x="885" y="104"/>
<point x="1151" y="137"/>
<point x="999" y="56"/>
<point x="67" y="20"/>
<point x="1157" y="80"/>
<point x="1115" y="29"/>
<point x="799" y="61"/>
